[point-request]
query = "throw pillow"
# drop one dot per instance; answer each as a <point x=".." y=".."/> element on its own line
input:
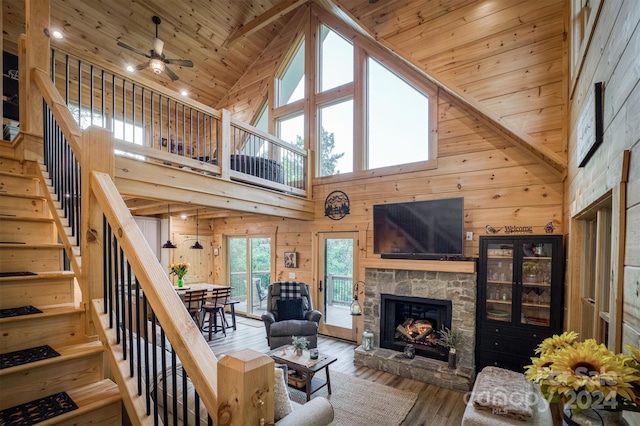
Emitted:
<point x="290" y="309"/>
<point x="282" y="403"/>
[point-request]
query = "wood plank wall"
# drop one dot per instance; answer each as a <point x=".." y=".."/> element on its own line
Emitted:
<point x="502" y="185"/>
<point x="612" y="58"/>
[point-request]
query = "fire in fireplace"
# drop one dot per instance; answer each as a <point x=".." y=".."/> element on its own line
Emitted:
<point x="414" y="320"/>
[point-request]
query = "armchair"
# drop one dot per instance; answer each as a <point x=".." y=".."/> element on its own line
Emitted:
<point x="293" y="318"/>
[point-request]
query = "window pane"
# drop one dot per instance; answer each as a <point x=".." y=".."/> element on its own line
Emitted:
<point x="336" y="141"/>
<point x="336" y="59"/>
<point x="398" y="119"/>
<point x="262" y="123"/>
<point x="292" y="130"/>
<point x="292" y="81"/>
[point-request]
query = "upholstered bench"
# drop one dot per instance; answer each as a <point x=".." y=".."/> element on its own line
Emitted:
<point x="502" y="397"/>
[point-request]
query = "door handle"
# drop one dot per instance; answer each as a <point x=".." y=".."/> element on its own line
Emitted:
<point x="320" y="286"/>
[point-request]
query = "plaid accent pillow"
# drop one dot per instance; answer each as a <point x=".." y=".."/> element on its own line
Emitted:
<point x="290" y="290"/>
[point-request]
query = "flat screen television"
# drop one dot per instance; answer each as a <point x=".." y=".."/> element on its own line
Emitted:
<point x="431" y="229"/>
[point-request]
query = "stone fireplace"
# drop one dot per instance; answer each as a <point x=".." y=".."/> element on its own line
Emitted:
<point x="437" y="298"/>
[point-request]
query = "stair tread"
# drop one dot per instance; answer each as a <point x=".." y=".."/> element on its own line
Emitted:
<point x="47" y="311"/>
<point x="21" y="245"/>
<point x="26" y="176"/>
<point x="40" y="276"/>
<point x="21" y="195"/>
<point x="66" y="353"/>
<point x="87" y="398"/>
<point x="26" y="219"/>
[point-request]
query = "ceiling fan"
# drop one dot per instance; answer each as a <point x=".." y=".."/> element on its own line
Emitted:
<point x="157" y="60"/>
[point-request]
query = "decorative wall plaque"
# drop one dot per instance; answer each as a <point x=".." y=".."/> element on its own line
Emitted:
<point x="336" y="205"/>
<point x="590" y="126"/>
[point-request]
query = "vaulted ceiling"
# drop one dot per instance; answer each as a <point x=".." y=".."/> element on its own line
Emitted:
<point x="503" y="59"/>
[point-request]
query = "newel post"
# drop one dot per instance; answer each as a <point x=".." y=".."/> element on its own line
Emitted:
<point x="245" y="388"/>
<point x="97" y="155"/>
<point x="37" y="54"/>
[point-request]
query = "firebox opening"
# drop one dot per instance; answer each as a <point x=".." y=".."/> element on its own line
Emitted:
<point x="415" y="321"/>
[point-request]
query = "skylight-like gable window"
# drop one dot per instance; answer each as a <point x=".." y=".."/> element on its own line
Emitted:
<point x="397" y="119"/>
<point x="291" y="82"/>
<point x="336" y="60"/>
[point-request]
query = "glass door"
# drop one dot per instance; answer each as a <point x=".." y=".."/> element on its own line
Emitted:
<point x="335" y="284"/>
<point x="499" y="279"/>
<point x="249" y="272"/>
<point x="536" y="283"/>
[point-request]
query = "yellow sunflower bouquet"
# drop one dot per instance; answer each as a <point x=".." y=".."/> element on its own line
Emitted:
<point x="586" y="374"/>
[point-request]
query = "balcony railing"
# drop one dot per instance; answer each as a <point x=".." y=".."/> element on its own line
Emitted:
<point x="177" y="132"/>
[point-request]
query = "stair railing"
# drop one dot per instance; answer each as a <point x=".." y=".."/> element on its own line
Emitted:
<point x="150" y="337"/>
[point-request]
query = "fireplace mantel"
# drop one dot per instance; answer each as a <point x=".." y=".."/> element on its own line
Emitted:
<point x="459" y="266"/>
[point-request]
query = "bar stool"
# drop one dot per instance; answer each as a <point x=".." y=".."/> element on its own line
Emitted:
<point x="212" y="309"/>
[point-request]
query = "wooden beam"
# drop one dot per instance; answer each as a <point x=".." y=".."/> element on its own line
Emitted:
<point x="463" y="100"/>
<point x="271" y="15"/>
<point x="155" y="181"/>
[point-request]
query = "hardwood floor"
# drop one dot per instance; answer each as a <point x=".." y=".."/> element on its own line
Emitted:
<point x="435" y="406"/>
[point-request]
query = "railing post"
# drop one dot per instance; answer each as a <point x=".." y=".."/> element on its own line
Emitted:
<point x="37" y="56"/>
<point x="225" y="150"/>
<point x="245" y="388"/>
<point x="97" y="155"/>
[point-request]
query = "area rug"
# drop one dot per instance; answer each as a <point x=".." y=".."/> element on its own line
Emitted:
<point x="360" y="402"/>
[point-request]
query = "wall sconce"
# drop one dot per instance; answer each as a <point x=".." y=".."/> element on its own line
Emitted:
<point x="197" y="245"/>
<point x="355" y="308"/>
<point x="169" y="244"/>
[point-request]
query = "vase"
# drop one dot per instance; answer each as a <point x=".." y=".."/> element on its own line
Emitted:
<point x="452" y="359"/>
<point x="299" y="351"/>
<point x="592" y="417"/>
<point x="180" y="282"/>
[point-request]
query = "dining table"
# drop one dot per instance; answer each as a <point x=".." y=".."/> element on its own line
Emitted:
<point x="209" y="287"/>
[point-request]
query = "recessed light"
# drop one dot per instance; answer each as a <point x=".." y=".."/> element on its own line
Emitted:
<point x="183" y="216"/>
<point x="57" y="34"/>
<point x="184" y="93"/>
<point x="130" y="68"/>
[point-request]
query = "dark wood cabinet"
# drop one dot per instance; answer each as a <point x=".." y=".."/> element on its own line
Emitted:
<point x="519" y="298"/>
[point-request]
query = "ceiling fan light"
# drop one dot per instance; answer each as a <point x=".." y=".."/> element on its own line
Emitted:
<point x="156" y="65"/>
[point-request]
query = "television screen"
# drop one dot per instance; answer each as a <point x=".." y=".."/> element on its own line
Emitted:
<point x="420" y="229"/>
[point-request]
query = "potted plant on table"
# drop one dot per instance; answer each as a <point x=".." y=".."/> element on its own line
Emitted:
<point x="450" y="339"/>
<point x="179" y="269"/>
<point x="299" y="344"/>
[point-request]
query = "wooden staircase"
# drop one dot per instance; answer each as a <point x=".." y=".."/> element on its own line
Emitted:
<point x="29" y="242"/>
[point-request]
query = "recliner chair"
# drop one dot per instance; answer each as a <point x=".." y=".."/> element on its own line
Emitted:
<point x="279" y="330"/>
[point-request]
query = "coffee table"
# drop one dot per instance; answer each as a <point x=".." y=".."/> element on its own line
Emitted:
<point x="306" y="367"/>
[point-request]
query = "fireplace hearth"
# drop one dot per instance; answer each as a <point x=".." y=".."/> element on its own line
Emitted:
<point x="414" y="321"/>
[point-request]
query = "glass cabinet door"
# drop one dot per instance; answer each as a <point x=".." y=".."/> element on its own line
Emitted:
<point x="536" y="283"/>
<point x="499" y="279"/>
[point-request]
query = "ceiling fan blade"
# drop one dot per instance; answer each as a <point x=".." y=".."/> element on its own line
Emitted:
<point x="133" y="49"/>
<point x="172" y="75"/>
<point x="180" y="62"/>
<point x="142" y="66"/>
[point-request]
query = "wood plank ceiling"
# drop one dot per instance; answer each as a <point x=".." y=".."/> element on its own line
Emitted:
<point x="505" y="55"/>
